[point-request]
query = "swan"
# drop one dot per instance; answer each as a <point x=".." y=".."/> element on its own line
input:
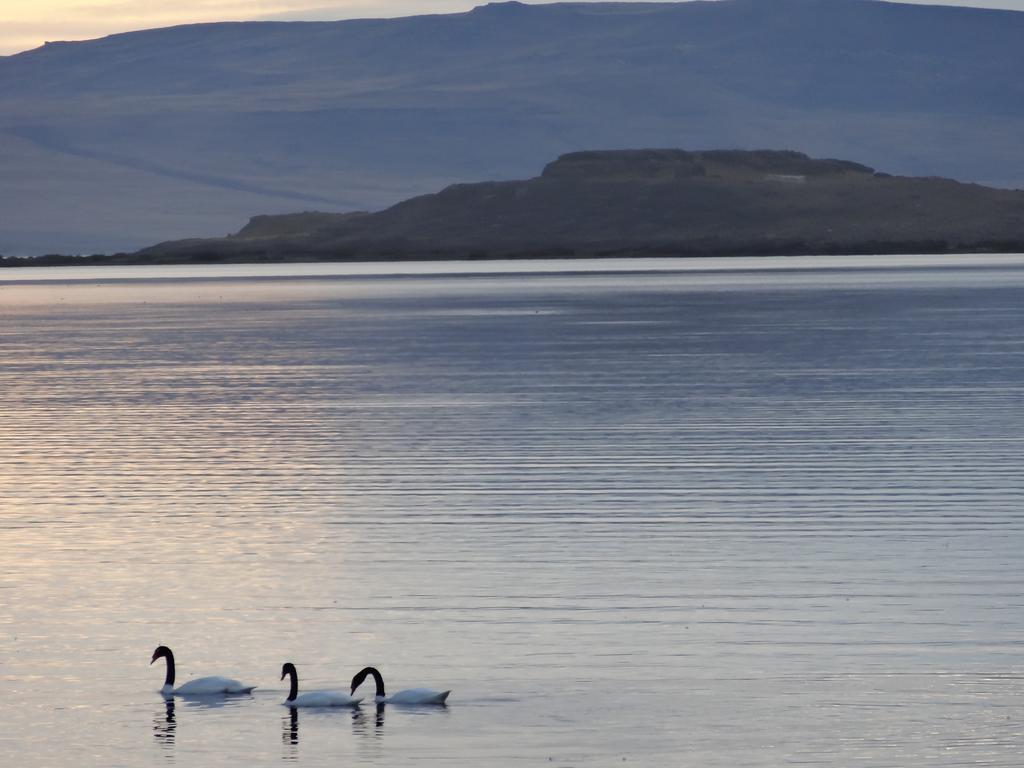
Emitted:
<point x="201" y="686"/>
<point x="408" y="696"/>
<point x="313" y="698"/>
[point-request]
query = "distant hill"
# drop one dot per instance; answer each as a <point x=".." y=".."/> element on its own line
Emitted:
<point x="114" y="143"/>
<point x="644" y="202"/>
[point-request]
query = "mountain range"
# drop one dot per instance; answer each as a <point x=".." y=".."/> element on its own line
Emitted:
<point x="116" y="143"/>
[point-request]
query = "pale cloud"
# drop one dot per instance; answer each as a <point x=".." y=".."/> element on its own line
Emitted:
<point x="26" y="24"/>
<point x="29" y="23"/>
<point x="368" y="9"/>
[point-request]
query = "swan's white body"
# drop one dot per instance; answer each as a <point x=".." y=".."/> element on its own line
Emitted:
<point x="207" y="686"/>
<point x="412" y="696"/>
<point x="201" y="686"/>
<point x="312" y="698"/>
<point x="322" y="699"/>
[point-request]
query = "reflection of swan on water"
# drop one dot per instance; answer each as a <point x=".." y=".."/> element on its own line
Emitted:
<point x="313" y="698"/>
<point x="408" y="696"/>
<point x="360" y="718"/>
<point x="164" y="725"/>
<point x="291" y="728"/>
<point x="202" y="686"/>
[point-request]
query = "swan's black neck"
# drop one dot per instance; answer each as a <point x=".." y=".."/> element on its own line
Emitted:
<point x="164" y="651"/>
<point x="293" y="686"/>
<point x="169" y="680"/>
<point x="378" y="678"/>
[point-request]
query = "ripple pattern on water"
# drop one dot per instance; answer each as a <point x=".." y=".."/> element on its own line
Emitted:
<point x="695" y="519"/>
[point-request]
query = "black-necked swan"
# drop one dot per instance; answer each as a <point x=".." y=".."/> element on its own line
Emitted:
<point x="202" y="686"/>
<point x="408" y="696"/>
<point x="313" y="698"/>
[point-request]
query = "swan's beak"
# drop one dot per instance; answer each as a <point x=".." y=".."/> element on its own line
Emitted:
<point x="352" y="691"/>
<point x="152" y="660"/>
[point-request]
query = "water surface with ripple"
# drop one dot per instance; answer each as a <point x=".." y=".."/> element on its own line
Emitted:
<point x="695" y="513"/>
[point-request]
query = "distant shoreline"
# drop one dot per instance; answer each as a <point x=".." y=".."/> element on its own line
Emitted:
<point x="357" y="270"/>
<point x="766" y="249"/>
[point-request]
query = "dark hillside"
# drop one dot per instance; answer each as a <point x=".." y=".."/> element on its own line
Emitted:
<point x="650" y="201"/>
<point x="113" y="143"/>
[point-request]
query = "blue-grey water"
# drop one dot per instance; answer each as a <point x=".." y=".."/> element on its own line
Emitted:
<point x="721" y="514"/>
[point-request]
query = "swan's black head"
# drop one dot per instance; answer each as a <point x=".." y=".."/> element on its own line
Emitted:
<point x="357" y="680"/>
<point x="161" y="652"/>
<point x="288" y="669"/>
<point x="363" y="674"/>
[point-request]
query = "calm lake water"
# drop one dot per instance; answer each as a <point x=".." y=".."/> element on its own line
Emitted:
<point x="751" y="513"/>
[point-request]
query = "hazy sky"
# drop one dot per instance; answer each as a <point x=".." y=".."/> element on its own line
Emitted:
<point x="26" y="24"/>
